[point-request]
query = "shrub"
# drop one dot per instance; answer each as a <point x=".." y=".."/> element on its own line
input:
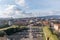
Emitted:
<point x="2" y="33"/>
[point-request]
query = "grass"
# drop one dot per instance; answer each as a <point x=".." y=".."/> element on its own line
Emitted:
<point x="14" y="26"/>
<point x="44" y="37"/>
<point x="49" y="34"/>
<point x="8" y="28"/>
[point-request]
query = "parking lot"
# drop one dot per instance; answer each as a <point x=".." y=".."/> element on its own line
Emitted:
<point x="37" y="33"/>
<point x="29" y="34"/>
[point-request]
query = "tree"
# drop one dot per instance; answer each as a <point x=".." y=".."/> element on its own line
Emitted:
<point x="2" y="33"/>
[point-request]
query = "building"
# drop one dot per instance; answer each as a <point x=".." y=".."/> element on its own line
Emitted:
<point x="57" y="27"/>
<point x="45" y="23"/>
<point x="9" y="23"/>
<point x="21" y="23"/>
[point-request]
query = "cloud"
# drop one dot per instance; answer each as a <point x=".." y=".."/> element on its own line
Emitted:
<point x="45" y="13"/>
<point x="8" y="11"/>
<point x="21" y="2"/>
<point x="4" y="16"/>
<point x="12" y="10"/>
<point x="10" y="7"/>
<point x="16" y="13"/>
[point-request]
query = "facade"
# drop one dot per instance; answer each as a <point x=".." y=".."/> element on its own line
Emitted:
<point x="21" y="22"/>
<point x="45" y="22"/>
<point x="9" y="23"/>
<point x="57" y="27"/>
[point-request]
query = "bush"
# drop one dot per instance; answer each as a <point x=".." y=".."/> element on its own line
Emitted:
<point x="2" y="33"/>
<point x="10" y="31"/>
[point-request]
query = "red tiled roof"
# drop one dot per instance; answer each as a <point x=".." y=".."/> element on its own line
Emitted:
<point x="57" y="24"/>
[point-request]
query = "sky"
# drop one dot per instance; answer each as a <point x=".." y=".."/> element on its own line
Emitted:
<point x="28" y="8"/>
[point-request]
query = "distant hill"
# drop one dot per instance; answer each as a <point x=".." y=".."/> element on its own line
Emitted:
<point x="52" y="16"/>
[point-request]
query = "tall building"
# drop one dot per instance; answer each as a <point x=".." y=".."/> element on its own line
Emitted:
<point x="9" y="23"/>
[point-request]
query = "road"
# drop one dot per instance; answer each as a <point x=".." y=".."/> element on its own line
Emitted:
<point x="35" y="33"/>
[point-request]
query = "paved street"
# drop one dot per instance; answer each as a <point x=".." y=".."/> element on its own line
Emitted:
<point x="29" y="34"/>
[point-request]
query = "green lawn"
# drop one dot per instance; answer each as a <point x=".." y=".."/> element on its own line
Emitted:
<point x="44" y="37"/>
<point x="14" y="26"/>
<point x="49" y="34"/>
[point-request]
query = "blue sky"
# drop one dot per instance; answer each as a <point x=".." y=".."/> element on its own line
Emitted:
<point x="29" y="8"/>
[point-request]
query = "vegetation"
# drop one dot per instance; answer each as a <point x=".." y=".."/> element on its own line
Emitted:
<point x="13" y="29"/>
<point x="14" y="26"/>
<point x="49" y="33"/>
<point x="2" y="33"/>
<point x="44" y="37"/>
<point x="56" y="33"/>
